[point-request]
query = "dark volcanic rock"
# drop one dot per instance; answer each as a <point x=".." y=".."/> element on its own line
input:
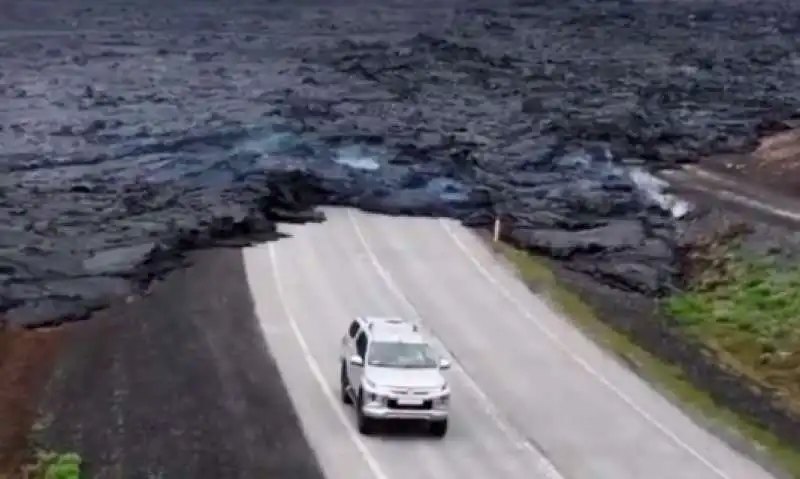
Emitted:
<point x="128" y="137"/>
<point x="118" y="260"/>
<point x="620" y="235"/>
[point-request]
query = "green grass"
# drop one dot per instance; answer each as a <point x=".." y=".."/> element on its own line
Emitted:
<point x="668" y="378"/>
<point x="52" y="465"/>
<point x="749" y="313"/>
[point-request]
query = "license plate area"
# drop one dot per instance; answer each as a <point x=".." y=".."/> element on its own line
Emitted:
<point x="411" y="404"/>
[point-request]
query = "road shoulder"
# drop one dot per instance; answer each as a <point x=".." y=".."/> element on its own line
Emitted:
<point x="26" y="361"/>
<point x="178" y="383"/>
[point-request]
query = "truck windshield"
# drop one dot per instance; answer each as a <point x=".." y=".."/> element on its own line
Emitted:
<point x="400" y="355"/>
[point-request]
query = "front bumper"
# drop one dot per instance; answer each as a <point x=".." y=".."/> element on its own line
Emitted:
<point x="386" y="404"/>
<point x="379" y="411"/>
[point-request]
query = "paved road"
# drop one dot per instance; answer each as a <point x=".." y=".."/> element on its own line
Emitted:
<point x="533" y="398"/>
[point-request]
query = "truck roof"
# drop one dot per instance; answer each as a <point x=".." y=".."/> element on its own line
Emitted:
<point x="392" y="329"/>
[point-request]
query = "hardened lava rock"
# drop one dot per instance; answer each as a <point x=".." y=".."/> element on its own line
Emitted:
<point x="133" y="131"/>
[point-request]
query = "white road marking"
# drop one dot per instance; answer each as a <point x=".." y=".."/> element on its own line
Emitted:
<point x="544" y="465"/>
<point x="582" y="363"/>
<point x="371" y="462"/>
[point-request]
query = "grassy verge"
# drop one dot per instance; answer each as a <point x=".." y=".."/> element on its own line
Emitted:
<point x="748" y="311"/>
<point x="669" y="379"/>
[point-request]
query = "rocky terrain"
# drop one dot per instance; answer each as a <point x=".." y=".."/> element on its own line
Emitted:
<point x="134" y="131"/>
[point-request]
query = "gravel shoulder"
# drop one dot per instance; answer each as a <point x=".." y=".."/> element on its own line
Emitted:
<point x="176" y="384"/>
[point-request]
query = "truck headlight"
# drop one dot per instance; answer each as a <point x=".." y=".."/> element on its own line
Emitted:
<point x="371" y="394"/>
<point x="444" y="399"/>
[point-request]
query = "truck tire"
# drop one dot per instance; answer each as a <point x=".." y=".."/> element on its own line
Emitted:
<point x="344" y="383"/>
<point x="438" y="428"/>
<point x="366" y="425"/>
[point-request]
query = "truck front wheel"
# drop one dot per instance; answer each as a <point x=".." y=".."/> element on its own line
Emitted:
<point x="439" y="428"/>
<point x="344" y="384"/>
<point x="365" y="424"/>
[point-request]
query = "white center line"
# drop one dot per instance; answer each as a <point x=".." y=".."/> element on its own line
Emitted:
<point x="545" y="467"/>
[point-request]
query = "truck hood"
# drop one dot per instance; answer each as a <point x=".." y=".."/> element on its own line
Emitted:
<point x="428" y="378"/>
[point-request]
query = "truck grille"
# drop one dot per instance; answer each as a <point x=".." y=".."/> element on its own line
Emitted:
<point x="427" y="404"/>
<point x="416" y="392"/>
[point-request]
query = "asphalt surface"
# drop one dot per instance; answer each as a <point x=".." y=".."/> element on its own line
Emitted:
<point x="532" y="396"/>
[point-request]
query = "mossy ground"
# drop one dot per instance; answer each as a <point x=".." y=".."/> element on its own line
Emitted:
<point x="749" y="314"/>
<point x="53" y="465"/>
<point x="669" y="378"/>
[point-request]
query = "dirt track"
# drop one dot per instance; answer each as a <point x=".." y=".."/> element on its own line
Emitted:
<point x="774" y="165"/>
<point x="176" y="385"/>
<point x="26" y="360"/>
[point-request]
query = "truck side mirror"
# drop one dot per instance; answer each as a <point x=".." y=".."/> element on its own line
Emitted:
<point x="356" y="360"/>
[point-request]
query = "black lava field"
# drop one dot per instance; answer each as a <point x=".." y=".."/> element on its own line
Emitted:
<point x="133" y="131"/>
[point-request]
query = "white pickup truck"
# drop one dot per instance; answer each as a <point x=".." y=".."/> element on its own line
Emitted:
<point x="389" y="371"/>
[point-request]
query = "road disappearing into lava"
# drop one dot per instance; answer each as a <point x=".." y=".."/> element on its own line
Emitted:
<point x="532" y="396"/>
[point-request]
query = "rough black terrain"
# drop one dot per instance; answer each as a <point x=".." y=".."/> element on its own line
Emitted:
<point x="177" y="385"/>
<point x="133" y="131"/>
